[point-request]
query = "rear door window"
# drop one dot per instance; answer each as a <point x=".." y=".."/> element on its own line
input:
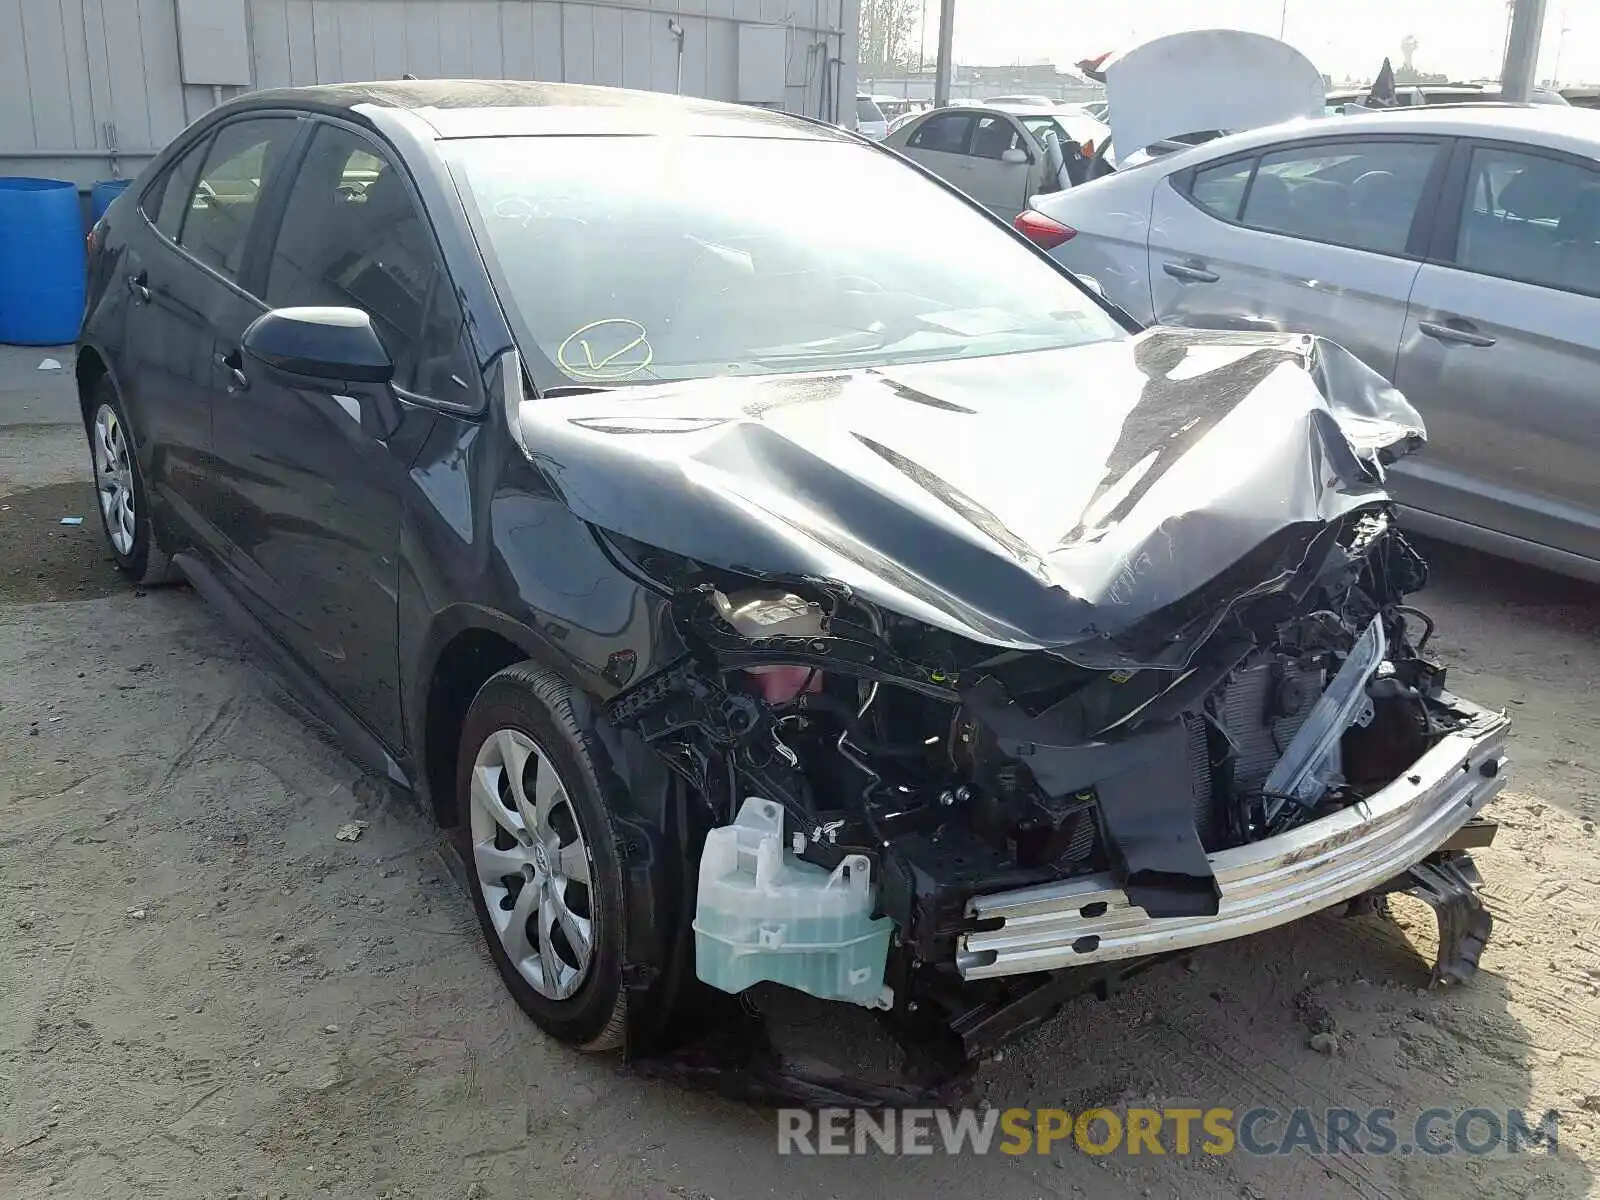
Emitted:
<point x="994" y="136"/>
<point x="1358" y="194"/>
<point x="354" y="236"/>
<point x="1532" y="218"/>
<point x="946" y="133"/>
<point x="166" y="202"/>
<point x="1220" y="189"/>
<point x="239" y="165"/>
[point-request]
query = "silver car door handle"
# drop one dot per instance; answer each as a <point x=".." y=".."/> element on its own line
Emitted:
<point x="233" y="364"/>
<point x="1189" y="274"/>
<point x="1463" y="335"/>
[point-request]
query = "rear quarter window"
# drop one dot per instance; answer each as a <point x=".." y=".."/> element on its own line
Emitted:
<point x="1220" y="190"/>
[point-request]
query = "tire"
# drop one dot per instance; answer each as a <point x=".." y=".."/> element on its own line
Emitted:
<point x="575" y="999"/>
<point x="120" y="493"/>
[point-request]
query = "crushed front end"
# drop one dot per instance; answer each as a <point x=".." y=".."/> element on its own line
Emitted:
<point x="1033" y="827"/>
<point x="1001" y="679"/>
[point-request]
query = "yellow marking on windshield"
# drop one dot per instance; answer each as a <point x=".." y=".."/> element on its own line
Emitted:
<point x="617" y="364"/>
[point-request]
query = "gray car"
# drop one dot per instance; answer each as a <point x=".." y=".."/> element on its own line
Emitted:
<point x="1455" y="250"/>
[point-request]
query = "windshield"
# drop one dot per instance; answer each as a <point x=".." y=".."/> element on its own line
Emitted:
<point x="868" y="110"/>
<point x="634" y="259"/>
<point x="1046" y="129"/>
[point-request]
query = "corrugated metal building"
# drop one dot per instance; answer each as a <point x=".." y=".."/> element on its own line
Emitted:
<point x="89" y="89"/>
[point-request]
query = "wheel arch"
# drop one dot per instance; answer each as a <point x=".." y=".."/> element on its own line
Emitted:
<point x="89" y="369"/>
<point x="466" y="648"/>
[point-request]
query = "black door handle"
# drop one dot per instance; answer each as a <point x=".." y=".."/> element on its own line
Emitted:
<point x="1189" y="274"/>
<point x="139" y="287"/>
<point x="1463" y="333"/>
<point x="233" y="363"/>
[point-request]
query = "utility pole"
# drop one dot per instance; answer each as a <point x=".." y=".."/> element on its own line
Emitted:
<point x="947" y="53"/>
<point x="1517" y="76"/>
<point x="1561" y="45"/>
<point x="1283" y="20"/>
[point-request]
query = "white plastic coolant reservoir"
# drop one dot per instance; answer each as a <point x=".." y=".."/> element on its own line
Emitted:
<point x="762" y="914"/>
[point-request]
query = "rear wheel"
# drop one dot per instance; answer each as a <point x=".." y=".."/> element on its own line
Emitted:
<point x="122" y="498"/>
<point x="538" y="841"/>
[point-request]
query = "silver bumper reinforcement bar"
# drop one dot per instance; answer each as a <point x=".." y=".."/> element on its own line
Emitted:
<point x="1268" y="883"/>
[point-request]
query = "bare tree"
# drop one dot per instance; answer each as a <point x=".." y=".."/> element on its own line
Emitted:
<point x="886" y="27"/>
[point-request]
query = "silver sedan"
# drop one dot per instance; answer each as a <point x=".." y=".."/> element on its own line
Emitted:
<point x="1455" y="250"/>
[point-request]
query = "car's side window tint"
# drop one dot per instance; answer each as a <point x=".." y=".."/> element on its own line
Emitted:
<point x="946" y="133"/>
<point x="1220" y="190"/>
<point x="166" y="203"/>
<point x="1531" y="218"/>
<point x="993" y="137"/>
<point x="1358" y="194"/>
<point x="353" y="236"/>
<point x="239" y="165"/>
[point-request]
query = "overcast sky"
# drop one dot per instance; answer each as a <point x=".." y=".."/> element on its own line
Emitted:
<point x="1460" y="38"/>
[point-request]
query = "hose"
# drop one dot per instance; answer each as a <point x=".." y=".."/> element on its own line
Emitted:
<point x="1421" y="616"/>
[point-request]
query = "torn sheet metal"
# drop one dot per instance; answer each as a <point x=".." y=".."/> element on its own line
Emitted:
<point x="1050" y="500"/>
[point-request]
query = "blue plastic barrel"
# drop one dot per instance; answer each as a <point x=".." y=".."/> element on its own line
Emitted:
<point x="102" y="194"/>
<point x="41" y="262"/>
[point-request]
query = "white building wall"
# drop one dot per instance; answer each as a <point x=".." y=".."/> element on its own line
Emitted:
<point x="90" y="89"/>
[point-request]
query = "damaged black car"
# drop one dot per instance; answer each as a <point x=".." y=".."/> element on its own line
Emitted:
<point x="763" y="592"/>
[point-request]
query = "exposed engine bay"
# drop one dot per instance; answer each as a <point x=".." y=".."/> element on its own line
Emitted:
<point x="957" y="771"/>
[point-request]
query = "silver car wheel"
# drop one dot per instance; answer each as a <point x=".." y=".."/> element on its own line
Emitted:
<point x="532" y="863"/>
<point x="113" y="479"/>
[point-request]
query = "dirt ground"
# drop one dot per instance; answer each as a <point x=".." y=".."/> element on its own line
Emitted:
<point x="204" y="994"/>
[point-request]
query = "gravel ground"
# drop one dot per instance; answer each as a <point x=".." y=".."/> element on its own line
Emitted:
<point x="204" y="994"/>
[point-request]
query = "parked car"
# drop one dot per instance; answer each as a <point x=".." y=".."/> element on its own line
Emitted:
<point x="1099" y="110"/>
<point x="1000" y="156"/>
<point x="870" y="121"/>
<point x="1415" y="95"/>
<point x="759" y="592"/>
<point x="894" y="108"/>
<point x="1582" y="97"/>
<point x="1454" y="249"/>
<point x="905" y="119"/>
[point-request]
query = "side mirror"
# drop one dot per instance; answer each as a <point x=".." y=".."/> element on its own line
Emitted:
<point x="1015" y="158"/>
<point x="325" y="343"/>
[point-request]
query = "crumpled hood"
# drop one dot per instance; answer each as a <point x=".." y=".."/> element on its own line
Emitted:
<point x="1044" y="500"/>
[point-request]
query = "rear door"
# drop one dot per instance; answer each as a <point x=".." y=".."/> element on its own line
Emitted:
<point x="1322" y="236"/>
<point x="940" y="143"/>
<point x="1502" y="349"/>
<point x="316" y="468"/>
<point x="184" y="277"/>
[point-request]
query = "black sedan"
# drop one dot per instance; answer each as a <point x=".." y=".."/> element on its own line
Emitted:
<point x="769" y="566"/>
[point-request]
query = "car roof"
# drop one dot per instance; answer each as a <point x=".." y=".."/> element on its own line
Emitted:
<point x="1019" y="110"/>
<point x="1553" y="126"/>
<point x="1013" y="110"/>
<point x="456" y="108"/>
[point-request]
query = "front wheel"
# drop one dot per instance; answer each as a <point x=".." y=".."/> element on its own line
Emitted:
<point x="538" y="841"/>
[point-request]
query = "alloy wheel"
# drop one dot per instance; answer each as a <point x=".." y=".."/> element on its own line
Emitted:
<point x="532" y="863"/>
<point x="113" y="479"/>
